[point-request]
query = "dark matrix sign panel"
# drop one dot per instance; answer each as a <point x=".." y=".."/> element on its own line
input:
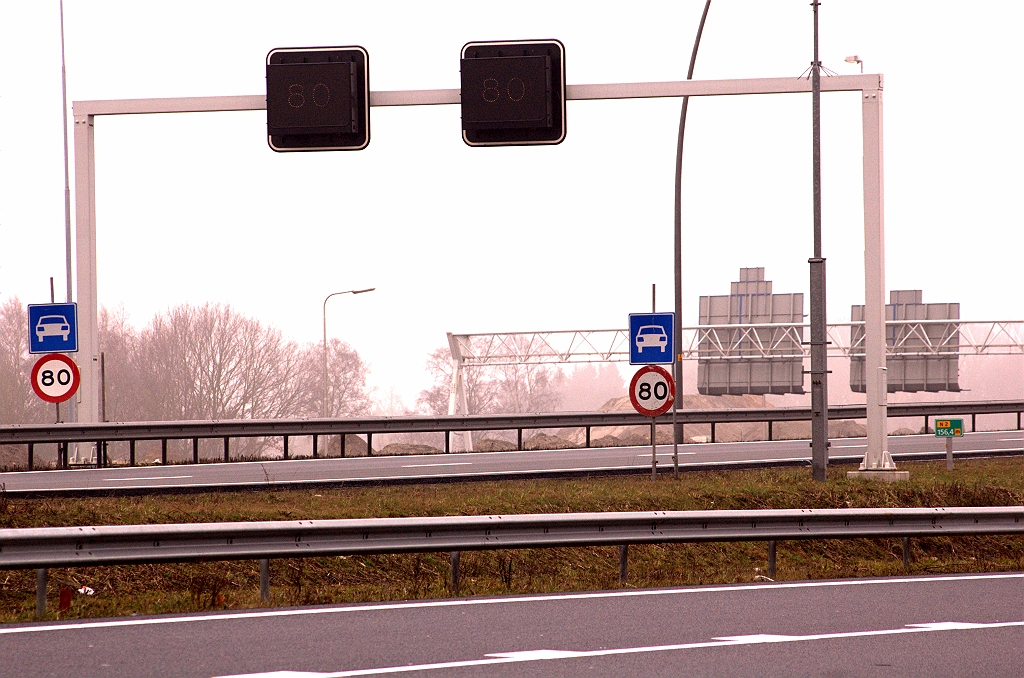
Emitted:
<point x="318" y="99"/>
<point x="513" y="93"/>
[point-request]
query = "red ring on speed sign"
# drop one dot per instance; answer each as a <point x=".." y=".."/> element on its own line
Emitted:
<point x="60" y="387"/>
<point x="662" y="406"/>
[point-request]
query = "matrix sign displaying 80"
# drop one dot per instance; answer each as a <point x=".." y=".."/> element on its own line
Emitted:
<point x="513" y="93"/>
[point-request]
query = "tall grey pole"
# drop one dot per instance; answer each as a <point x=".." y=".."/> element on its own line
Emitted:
<point x="677" y="429"/>
<point x="72" y="407"/>
<point x="819" y="365"/>
<point x="654" y="427"/>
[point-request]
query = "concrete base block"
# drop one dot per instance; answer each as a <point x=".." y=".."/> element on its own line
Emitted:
<point x="889" y="476"/>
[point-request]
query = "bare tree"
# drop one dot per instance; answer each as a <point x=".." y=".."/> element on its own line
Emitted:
<point x="18" y="404"/>
<point x="125" y="394"/>
<point x="503" y="388"/>
<point x="480" y="391"/>
<point x="210" y="362"/>
<point x="345" y="391"/>
<point x="526" y="388"/>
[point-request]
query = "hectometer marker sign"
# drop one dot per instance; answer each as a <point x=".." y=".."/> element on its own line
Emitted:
<point x="949" y="428"/>
<point x="55" y="378"/>
<point x="652" y="391"/>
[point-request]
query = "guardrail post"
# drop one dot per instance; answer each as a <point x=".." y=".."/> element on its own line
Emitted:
<point x="1018" y="421"/>
<point x="769" y="431"/>
<point x="31" y="450"/>
<point x="974" y="423"/>
<point x="925" y="424"/>
<point x="264" y="580"/>
<point x="227" y="453"/>
<point x="195" y="450"/>
<point x="623" y="564"/>
<point x="712" y="431"/>
<point x="285" y="453"/>
<point x="163" y="451"/>
<point x="41" y="574"/>
<point x="771" y="559"/>
<point x="588" y="437"/>
<point x="447" y="442"/>
<point x="906" y="553"/>
<point x="131" y="452"/>
<point x="369" y="444"/>
<point x="101" y="453"/>
<point x="315" y="436"/>
<point x="341" y="444"/>
<point x="519" y="439"/>
<point x="455" y="572"/>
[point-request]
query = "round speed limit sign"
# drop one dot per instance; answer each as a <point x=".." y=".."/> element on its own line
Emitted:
<point x="55" y="378"/>
<point x="652" y="391"/>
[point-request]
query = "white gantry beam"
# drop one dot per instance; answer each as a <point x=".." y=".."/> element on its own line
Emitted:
<point x="870" y="86"/>
<point x="730" y="342"/>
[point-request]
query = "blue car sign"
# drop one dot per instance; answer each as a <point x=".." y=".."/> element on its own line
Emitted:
<point x="52" y="328"/>
<point x="651" y="338"/>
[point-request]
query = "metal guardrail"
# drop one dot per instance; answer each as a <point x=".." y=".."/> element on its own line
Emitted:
<point x="43" y="548"/>
<point x="32" y="434"/>
<point x="133" y="544"/>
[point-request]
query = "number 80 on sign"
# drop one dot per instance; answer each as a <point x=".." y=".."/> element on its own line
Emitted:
<point x="652" y="391"/>
<point x="55" y="378"/>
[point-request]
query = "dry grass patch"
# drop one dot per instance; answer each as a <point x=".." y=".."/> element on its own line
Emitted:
<point x="188" y="587"/>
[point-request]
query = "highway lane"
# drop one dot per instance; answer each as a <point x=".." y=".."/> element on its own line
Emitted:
<point x="486" y="465"/>
<point x="953" y="625"/>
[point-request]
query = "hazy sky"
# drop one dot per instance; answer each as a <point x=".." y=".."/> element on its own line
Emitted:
<point x="196" y="207"/>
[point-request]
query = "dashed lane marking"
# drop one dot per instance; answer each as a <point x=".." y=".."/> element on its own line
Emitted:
<point x="549" y="655"/>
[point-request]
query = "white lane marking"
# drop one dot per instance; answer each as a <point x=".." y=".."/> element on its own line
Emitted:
<point x="145" y="478"/>
<point x="1010" y="440"/>
<point x="450" y="463"/>
<point x="548" y="655"/>
<point x="669" y="454"/>
<point x="470" y="602"/>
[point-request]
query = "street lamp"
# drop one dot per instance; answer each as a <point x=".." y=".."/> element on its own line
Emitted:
<point x="855" y="60"/>
<point x="333" y="294"/>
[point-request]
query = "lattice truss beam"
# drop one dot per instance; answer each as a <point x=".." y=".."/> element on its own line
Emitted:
<point x="731" y="342"/>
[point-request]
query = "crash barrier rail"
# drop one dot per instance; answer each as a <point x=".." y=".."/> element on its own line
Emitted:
<point x="135" y="544"/>
<point x="102" y="433"/>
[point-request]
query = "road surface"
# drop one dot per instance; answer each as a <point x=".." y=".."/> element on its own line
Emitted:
<point x="477" y="466"/>
<point x="955" y="625"/>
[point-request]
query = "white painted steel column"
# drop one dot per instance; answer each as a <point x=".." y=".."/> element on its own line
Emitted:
<point x="877" y="454"/>
<point x="457" y="399"/>
<point x="88" y="357"/>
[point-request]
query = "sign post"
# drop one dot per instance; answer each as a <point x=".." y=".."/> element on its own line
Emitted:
<point x="652" y="393"/>
<point x="53" y="329"/>
<point x="949" y="429"/>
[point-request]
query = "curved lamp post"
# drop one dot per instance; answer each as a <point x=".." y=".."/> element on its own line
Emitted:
<point x="333" y="294"/>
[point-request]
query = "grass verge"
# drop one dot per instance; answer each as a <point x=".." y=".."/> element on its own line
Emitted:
<point x="189" y="587"/>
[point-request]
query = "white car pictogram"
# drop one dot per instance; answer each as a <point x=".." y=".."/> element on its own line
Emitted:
<point x="52" y="326"/>
<point x="650" y="336"/>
